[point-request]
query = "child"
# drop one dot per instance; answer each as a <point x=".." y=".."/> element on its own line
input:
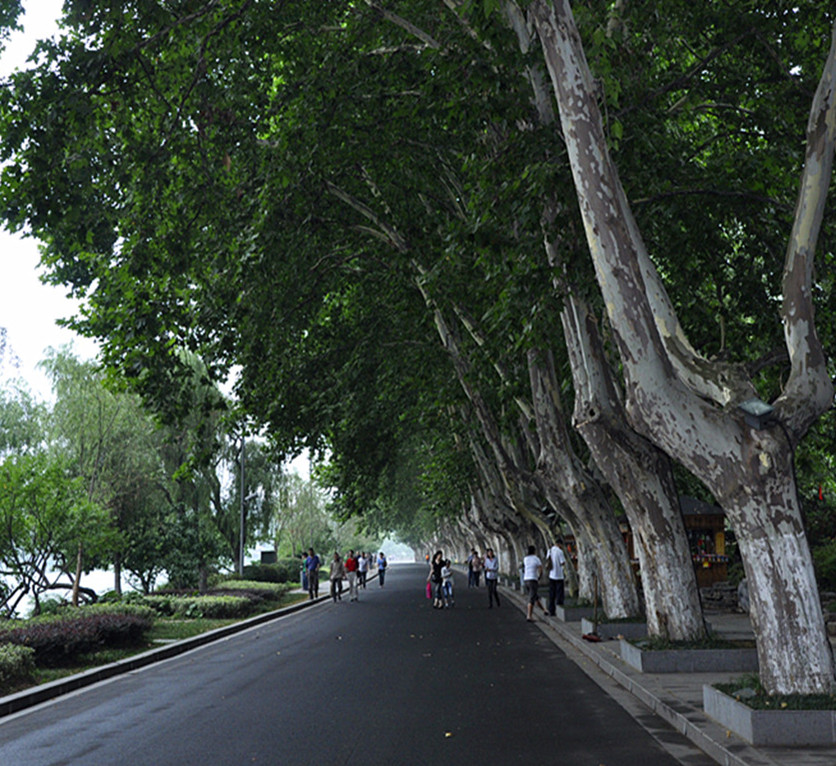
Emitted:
<point x="447" y="583"/>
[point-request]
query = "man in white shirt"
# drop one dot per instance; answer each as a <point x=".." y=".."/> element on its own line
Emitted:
<point x="362" y="570"/>
<point x="532" y="569"/>
<point x="557" y="563"/>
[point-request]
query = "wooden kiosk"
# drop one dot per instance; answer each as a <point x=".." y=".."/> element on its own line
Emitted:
<point x="705" y="525"/>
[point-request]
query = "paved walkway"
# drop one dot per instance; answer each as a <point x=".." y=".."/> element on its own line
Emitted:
<point x="677" y="697"/>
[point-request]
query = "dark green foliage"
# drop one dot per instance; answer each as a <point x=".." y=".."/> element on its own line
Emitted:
<point x="824" y="560"/>
<point x="17" y="665"/>
<point x="61" y="641"/>
<point x="284" y="571"/>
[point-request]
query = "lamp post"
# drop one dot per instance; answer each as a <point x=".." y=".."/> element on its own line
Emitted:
<point x="243" y="521"/>
<point x="243" y="507"/>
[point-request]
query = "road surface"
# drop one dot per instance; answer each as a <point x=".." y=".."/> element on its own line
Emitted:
<point x="386" y="680"/>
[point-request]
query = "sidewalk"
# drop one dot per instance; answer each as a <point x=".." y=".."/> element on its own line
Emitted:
<point x="677" y="697"/>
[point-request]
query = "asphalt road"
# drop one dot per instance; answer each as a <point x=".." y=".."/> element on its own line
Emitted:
<point x="386" y="680"/>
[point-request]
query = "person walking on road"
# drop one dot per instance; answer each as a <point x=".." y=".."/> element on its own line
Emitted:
<point x="557" y="562"/>
<point x="312" y="564"/>
<point x="447" y="583"/>
<point x="337" y="574"/>
<point x="491" y="577"/>
<point x="532" y="569"/>
<point x="381" y="568"/>
<point x="470" y="567"/>
<point x="476" y="563"/>
<point x="436" y="579"/>
<point x="362" y="569"/>
<point x="351" y="575"/>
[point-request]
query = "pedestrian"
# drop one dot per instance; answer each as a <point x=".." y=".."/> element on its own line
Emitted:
<point x="436" y="579"/>
<point x="381" y="568"/>
<point x="556" y="561"/>
<point x="337" y="574"/>
<point x="350" y="566"/>
<point x="312" y="564"/>
<point x="477" y="568"/>
<point x="491" y="577"/>
<point x="362" y="569"/>
<point x="447" y="583"/>
<point x="470" y="567"/>
<point x="533" y="568"/>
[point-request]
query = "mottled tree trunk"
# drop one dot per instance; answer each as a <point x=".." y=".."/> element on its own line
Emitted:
<point x="685" y="404"/>
<point x="642" y="478"/>
<point x="578" y="489"/>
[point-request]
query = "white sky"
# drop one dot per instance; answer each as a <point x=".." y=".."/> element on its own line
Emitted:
<point x="28" y="308"/>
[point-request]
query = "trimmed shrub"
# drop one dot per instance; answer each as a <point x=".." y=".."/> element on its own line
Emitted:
<point x="285" y="570"/>
<point x="263" y="589"/>
<point x="197" y="607"/>
<point x="17" y="663"/>
<point x="59" y="641"/>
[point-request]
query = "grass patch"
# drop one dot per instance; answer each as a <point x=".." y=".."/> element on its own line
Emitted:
<point x="748" y="690"/>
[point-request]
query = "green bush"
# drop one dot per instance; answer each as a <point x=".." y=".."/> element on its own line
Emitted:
<point x="195" y="607"/>
<point x="270" y="589"/>
<point x="17" y="664"/>
<point x="60" y="640"/>
<point x="285" y="570"/>
<point x="824" y="561"/>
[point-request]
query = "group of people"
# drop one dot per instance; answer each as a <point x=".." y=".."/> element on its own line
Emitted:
<point x="440" y="578"/>
<point x="533" y="569"/>
<point x="354" y="568"/>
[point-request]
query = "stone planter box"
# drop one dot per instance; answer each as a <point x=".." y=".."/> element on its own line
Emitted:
<point x="607" y="630"/>
<point x="569" y="613"/>
<point x="775" y="728"/>
<point x="690" y="660"/>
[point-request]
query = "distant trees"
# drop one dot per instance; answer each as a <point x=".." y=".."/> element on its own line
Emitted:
<point x="93" y="480"/>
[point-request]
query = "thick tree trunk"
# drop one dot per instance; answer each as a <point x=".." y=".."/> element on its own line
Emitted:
<point x="642" y="478"/>
<point x="576" y="488"/>
<point x="677" y="399"/>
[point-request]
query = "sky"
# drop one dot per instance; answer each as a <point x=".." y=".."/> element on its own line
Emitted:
<point x="28" y="308"/>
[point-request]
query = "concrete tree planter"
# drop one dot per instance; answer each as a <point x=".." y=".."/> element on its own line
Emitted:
<point x="608" y="630"/>
<point x="689" y="660"/>
<point x="774" y="728"/>
<point x="571" y="613"/>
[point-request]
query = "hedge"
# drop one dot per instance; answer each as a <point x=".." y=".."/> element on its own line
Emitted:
<point x="62" y="639"/>
<point x="197" y="607"/>
<point x="17" y="664"/>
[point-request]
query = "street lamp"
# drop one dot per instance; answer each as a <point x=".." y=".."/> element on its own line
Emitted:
<point x="756" y="413"/>
<point x="244" y="500"/>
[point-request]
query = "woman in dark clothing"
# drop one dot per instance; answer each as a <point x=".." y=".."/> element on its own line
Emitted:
<point x="436" y="579"/>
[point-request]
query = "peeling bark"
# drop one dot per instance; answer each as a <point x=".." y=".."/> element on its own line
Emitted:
<point x="642" y="478"/>
<point x="672" y="395"/>
<point x="576" y="489"/>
